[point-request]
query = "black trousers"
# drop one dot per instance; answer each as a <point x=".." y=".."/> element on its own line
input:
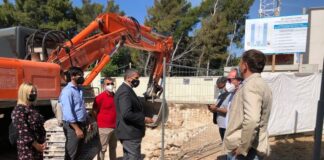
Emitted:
<point x="132" y="149"/>
<point x="222" y="133"/>
<point x="72" y="144"/>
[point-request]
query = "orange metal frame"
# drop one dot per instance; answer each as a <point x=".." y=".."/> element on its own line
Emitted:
<point x="86" y="49"/>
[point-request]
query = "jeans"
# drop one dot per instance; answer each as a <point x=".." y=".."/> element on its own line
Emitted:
<point x="252" y="155"/>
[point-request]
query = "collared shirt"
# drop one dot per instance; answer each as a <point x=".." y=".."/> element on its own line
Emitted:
<point x="72" y="103"/>
<point x="221" y="118"/>
<point x="128" y="84"/>
<point x="106" y="110"/>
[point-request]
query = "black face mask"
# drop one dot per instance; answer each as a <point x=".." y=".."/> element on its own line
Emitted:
<point x="80" y="80"/>
<point x="135" y="83"/>
<point x="32" y="97"/>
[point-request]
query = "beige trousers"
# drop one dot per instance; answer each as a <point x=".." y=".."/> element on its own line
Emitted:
<point x="107" y="138"/>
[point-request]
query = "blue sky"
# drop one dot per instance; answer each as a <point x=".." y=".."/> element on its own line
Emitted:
<point x="134" y="8"/>
<point x="137" y="8"/>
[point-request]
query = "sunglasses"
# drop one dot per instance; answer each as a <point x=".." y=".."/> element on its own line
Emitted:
<point x="230" y="79"/>
<point x="110" y="83"/>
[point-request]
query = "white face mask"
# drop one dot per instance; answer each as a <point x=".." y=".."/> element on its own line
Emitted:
<point x="110" y="88"/>
<point x="229" y="87"/>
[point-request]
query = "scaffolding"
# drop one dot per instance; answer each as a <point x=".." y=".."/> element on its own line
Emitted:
<point x="269" y="8"/>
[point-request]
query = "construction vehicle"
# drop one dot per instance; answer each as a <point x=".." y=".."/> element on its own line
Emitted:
<point x="43" y="58"/>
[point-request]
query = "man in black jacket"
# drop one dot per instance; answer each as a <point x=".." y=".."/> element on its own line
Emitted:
<point x="130" y="124"/>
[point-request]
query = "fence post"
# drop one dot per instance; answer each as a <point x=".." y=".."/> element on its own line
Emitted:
<point x="163" y="108"/>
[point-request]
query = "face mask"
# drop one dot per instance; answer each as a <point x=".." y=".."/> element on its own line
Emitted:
<point x="32" y="97"/>
<point x="80" y="80"/>
<point x="135" y="83"/>
<point x="110" y="88"/>
<point x="229" y="87"/>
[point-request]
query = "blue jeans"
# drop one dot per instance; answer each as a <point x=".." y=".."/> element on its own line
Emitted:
<point x="252" y="155"/>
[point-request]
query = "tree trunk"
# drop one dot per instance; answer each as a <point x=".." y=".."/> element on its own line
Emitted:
<point x="231" y="46"/>
<point x="200" y="61"/>
<point x="207" y="73"/>
<point x="173" y="53"/>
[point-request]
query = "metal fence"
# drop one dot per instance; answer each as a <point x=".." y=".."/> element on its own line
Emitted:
<point x="173" y="70"/>
<point x="189" y="132"/>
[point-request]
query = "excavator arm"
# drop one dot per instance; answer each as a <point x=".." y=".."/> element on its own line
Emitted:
<point x="86" y="47"/>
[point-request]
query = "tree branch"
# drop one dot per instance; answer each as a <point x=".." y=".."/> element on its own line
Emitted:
<point x="184" y="53"/>
<point x="215" y="7"/>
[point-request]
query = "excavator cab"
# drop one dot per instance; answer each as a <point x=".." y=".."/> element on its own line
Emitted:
<point x="13" y="41"/>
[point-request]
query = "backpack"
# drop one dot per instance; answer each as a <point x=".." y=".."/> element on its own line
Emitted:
<point x="221" y="98"/>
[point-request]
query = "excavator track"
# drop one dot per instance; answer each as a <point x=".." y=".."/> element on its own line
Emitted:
<point x="55" y="139"/>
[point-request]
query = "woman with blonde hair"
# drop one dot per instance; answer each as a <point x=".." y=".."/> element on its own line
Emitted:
<point x="29" y="124"/>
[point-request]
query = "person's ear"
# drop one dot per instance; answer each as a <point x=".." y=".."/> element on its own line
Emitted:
<point x="246" y="67"/>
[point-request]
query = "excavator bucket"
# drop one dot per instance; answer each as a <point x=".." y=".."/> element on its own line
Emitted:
<point x="154" y="108"/>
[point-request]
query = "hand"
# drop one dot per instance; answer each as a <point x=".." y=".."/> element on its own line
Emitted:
<point x="90" y="127"/>
<point x="212" y="108"/>
<point x="39" y="147"/>
<point x="235" y="152"/>
<point x="79" y="133"/>
<point x="148" y="120"/>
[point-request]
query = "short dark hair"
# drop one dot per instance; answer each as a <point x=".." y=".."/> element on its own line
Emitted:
<point x="73" y="71"/>
<point x="255" y="60"/>
<point x="221" y="80"/>
<point x="129" y="73"/>
<point x="108" y="78"/>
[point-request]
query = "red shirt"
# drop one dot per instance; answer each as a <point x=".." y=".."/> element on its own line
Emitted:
<point x="106" y="111"/>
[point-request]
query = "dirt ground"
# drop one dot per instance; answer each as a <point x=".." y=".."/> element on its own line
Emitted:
<point x="288" y="147"/>
<point x="190" y="135"/>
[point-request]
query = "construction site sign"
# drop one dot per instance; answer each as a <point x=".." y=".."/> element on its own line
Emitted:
<point x="277" y="34"/>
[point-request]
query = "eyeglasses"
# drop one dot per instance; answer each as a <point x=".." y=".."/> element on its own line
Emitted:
<point x="112" y="83"/>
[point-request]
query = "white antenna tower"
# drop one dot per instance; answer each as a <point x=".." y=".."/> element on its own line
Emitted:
<point x="269" y="8"/>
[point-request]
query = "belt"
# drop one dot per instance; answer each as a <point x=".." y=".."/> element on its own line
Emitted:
<point x="78" y="123"/>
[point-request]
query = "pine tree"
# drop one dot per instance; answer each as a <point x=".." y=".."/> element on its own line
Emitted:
<point x="7" y="12"/>
<point x="175" y="18"/>
<point x="220" y="20"/>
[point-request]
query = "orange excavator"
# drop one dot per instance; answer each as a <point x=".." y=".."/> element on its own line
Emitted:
<point x="44" y="57"/>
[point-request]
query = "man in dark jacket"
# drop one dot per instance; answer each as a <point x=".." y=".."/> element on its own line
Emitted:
<point x="130" y="124"/>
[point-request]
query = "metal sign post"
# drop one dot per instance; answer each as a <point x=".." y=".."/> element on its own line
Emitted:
<point x="319" y="123"/>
